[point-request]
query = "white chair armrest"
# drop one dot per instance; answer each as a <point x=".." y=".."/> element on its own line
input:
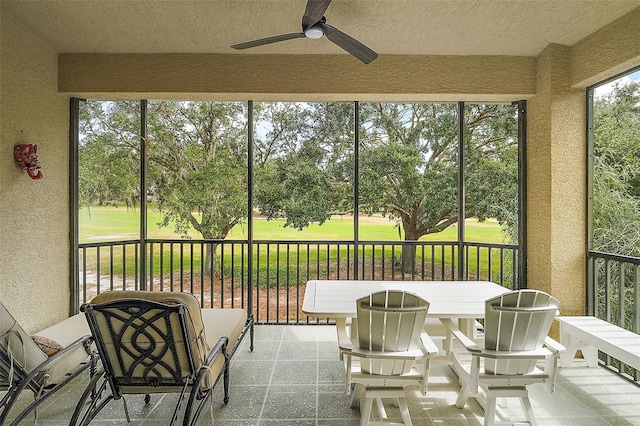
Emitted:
<point x="463" y="338"/>
<point x="554" y="346"/>
<point x="429" y="346"/>
<point x="408" y="355"/>
<point x="344" y="341"/>
<point x="542" y="353"/>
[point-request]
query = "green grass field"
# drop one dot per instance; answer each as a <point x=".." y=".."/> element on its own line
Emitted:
<point x="101" y="224"/>
<point x="120" y="223"/>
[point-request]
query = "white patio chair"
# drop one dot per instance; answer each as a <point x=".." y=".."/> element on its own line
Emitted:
<point x="506" y="361"/>
<point x="388" y="352"/>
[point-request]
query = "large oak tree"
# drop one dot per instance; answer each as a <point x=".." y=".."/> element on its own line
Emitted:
<point x="304" y="157"/>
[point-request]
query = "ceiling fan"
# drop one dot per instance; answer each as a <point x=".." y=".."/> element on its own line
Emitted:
<point x="314" y="25"/>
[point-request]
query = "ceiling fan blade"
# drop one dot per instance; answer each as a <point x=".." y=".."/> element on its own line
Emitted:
<point x="315" y="9"/>
<point x="348" y="43"/>
<point x="267" y="40"/>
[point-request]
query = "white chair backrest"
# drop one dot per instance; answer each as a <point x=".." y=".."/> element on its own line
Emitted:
<point x="17" y="345"/>
<point x="517" y="321"/>
<point x="390" y="321"/>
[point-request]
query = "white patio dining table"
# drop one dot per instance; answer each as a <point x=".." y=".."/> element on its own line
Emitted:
<point x="462" y="300"/>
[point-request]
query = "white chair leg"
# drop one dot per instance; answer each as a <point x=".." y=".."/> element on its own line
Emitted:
<point x="347" y="369"/>
<point x="404" y="411"/>
<point x="490" y="411"/>
<point x="464" y="394"/>
<point x="365" y="414"/>
<point x="356" y="395"/>
<point x="382" y="413"/>
<point x="528" y="411"/>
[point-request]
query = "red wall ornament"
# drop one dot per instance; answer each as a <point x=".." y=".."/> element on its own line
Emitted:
<point x="27" y="158"/>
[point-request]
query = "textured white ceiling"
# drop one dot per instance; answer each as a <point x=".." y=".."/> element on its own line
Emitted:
<point x="414" y="27"/>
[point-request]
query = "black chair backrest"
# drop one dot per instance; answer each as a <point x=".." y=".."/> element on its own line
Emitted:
<point x="143" y="344"/>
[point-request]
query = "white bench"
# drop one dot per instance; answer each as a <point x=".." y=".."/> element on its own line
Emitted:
<point x="590" y="335"/>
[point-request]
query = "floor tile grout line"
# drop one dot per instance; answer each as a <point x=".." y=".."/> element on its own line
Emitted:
<point x="155" y="406"/>
<point x="317" y="381"/>
<point x="273" y="369"/>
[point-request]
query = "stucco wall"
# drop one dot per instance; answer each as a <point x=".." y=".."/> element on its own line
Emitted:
<point x="34" y="242"/>
<point x="611" y="50"/>
<point x="556" y="172"/>
<point x="287" y="77"/>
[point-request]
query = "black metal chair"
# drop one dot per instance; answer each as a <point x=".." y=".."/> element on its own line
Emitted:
<point x="153" y="342"/>
<point x="24" y="366"/>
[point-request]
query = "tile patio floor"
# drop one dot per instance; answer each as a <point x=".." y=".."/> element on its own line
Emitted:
<point x="295" y="378"/>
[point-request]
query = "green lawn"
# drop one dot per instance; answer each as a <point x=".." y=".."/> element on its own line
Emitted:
<point x="118" y="223"/>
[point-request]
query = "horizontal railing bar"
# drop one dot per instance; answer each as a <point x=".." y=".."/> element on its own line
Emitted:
<point x="109" y="243"/>
<point x="294" y="242"/>
<point x="195" y="241"/>
<point x="490" y="245"/>
<point x="615" y="257"/>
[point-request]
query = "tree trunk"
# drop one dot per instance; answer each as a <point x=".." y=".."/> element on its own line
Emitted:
<point x="408" y="257"/>
<point x="210" y="258"/>
<point x="409" y="248"/>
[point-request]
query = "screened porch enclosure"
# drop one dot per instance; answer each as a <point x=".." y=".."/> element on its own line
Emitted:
<point x="551" y="54"/>
<point x="267" y="168"/>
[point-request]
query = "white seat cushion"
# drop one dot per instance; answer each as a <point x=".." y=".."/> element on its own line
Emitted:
<point x="226" y="322"/>
<point x="65" y="333"/>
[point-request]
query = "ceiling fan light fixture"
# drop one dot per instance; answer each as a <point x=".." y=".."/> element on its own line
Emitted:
<point x="313" y="32"/>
